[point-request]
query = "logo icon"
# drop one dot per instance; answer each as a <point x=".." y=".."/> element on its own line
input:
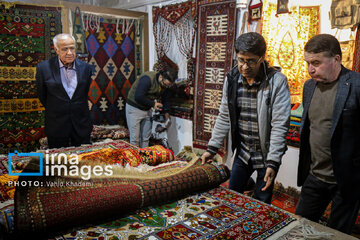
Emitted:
<point x="15" y="153"/>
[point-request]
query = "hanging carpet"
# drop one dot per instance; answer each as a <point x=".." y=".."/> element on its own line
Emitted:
<point x="286" y="36"/>
<point x="216" y="33"/>
<point x="26" y="33"/>
<point x="111" y="45"/>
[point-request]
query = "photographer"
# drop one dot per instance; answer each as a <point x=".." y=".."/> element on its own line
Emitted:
<point x="150" y="90"/>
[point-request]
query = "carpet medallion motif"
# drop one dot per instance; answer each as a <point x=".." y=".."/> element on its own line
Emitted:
<point x="286" y="36"/>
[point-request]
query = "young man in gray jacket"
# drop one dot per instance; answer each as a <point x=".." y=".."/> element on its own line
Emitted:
<point x="255" y="108"/>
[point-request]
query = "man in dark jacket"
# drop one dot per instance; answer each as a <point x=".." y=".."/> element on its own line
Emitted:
<point x="329" y="164"/>
<point x="149" y="91"/>
<point x="63" y="84"/>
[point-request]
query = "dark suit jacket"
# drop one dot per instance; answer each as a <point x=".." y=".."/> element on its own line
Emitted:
<point x="62" y="113"/>
<point x="345" y="134"/>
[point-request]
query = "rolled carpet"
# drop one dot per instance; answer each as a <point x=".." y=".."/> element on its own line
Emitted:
<point x="62" y="203"/>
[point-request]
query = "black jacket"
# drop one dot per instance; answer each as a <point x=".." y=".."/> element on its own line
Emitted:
<point x="62" y="113"/>
<point x="345" y="134"/>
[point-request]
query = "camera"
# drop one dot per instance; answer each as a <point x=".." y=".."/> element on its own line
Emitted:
<point x="158" y="116"/>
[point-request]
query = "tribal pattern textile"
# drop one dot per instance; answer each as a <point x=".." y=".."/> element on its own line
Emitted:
<point x="20" y="105"/>
<point x="26" y="33"/>
<point x="152" y="156"/>
<point x="286" y="36"/>
<point x="173" y="13"/>
<point x="216" y="214"/>
<point x="111" y="45"/>
<point x="102" y="132"/>
<point x="22" y="135"/>
<point x="17" y="73"/>
<point x="78" y="32"/>
<point x="73" y="202"/>
<point x="117" y="144"/>
<point x="139" y="58"/>
<point x="216" y="34"/>
<point x="11" y="89"/>
<point x="99" y="133"/>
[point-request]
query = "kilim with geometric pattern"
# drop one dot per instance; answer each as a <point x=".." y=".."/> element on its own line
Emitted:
<point x="26" y="33"/>
<point x="216" y="33"/>
<point x="111" y="48"/>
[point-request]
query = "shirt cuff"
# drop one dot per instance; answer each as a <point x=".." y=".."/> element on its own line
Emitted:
<point x="272" y="164"/>
<point x="212" y="150"/>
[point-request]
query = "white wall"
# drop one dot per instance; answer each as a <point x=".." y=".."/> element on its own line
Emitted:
<point x="179" y="134"/>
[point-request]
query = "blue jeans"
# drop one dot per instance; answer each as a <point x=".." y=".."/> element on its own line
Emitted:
<point x="316" y="196"/>
<point x="239" y="177"/>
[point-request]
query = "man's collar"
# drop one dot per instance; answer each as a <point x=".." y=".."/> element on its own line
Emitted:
<point x="69" y="65"/>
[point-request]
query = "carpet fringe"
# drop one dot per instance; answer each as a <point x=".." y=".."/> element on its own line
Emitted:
<point x="305" y="231"/>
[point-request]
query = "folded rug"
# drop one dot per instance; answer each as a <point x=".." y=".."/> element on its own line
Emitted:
<point x="61" y="203"/>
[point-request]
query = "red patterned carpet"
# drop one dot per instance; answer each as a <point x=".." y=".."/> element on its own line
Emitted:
<point x="287" y="199"/>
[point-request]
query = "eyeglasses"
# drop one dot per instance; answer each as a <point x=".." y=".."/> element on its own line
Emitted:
<point x="250" y="62"/>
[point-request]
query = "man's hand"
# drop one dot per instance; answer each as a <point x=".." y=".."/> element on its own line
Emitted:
<point x="206" y="157"/>
<point x="269" y="178"/>
<point x="158" y="106"/>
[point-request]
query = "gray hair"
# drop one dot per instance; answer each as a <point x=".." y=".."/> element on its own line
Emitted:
<point x="61" y="36"/>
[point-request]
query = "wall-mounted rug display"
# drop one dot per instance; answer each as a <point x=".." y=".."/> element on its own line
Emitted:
<point x="26" y="33"/>
<point x="286" y="36"/>
<point x="216" y="33"/>
<point x="111" y="43"/>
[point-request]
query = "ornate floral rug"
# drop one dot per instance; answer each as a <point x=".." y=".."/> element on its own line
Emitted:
<point x="216" y="214"/>
<point x="215" y="39"/>
<point x="286" y="36"/>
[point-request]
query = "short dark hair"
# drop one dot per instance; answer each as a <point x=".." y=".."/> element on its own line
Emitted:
<point x="325" y="43"/>
<point x="251" y="42"/>
<point x="169" y="74"/>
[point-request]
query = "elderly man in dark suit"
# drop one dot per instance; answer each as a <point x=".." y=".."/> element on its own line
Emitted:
<point x="329" y="165"/>
<point x="63" y="84"/>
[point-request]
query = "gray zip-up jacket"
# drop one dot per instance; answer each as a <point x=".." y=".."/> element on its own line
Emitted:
<point x="273" y="109"/>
